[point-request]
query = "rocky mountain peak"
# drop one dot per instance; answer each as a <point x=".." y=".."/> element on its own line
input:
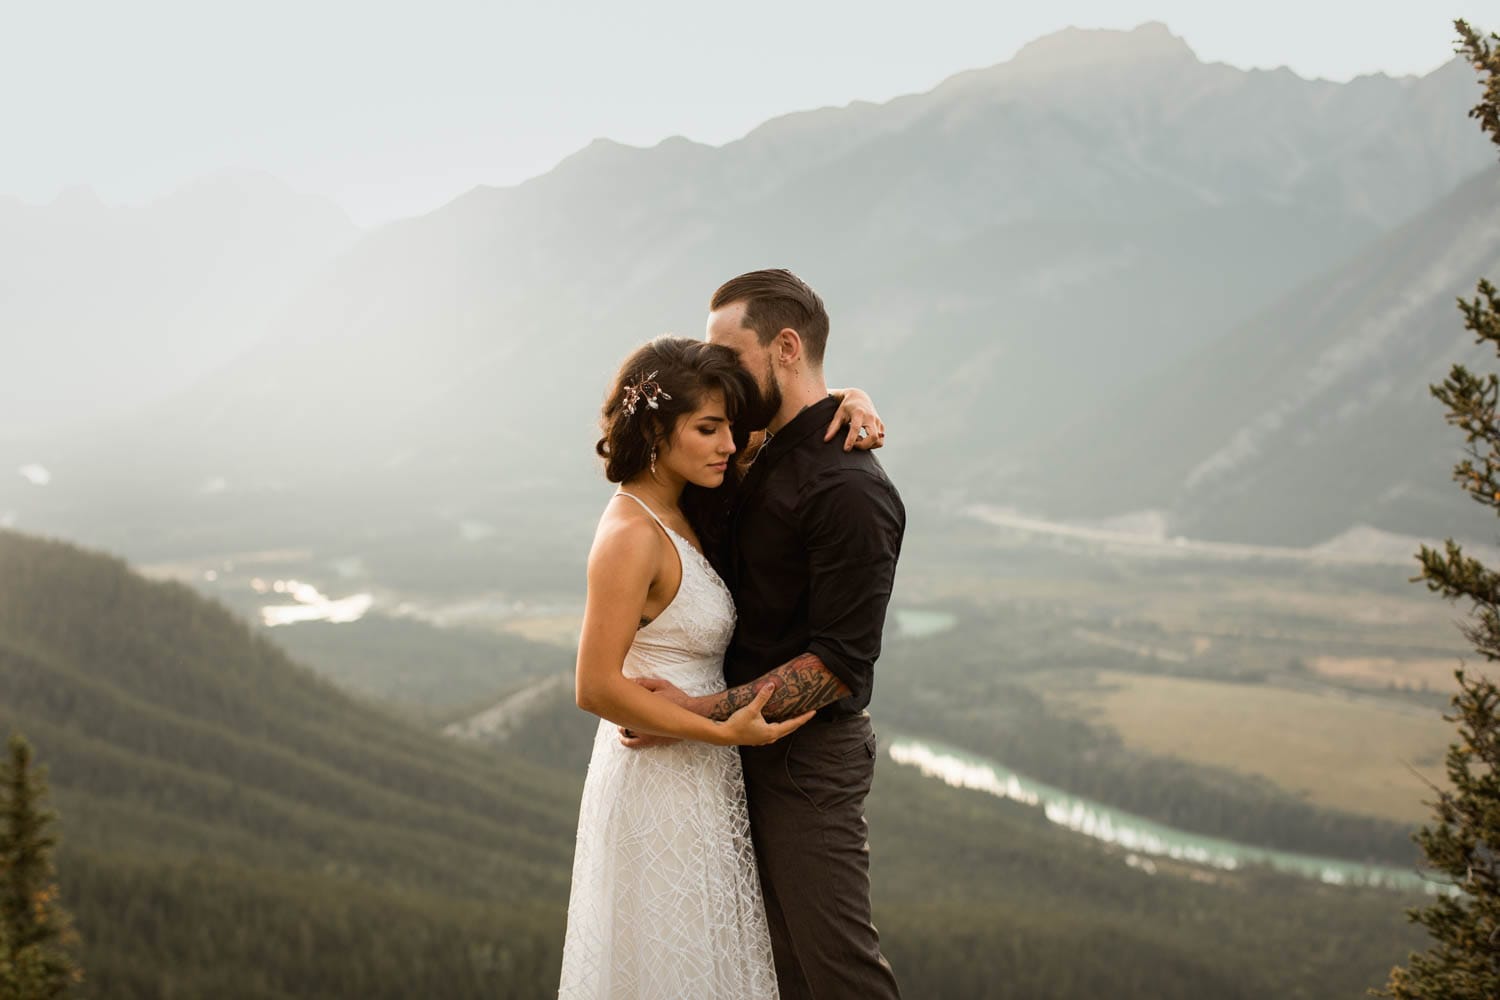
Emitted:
<point x="1073" y="48"/>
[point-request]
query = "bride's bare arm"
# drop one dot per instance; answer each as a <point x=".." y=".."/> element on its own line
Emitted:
<point x="856" y="410"/>
<point x="624" y="561"/>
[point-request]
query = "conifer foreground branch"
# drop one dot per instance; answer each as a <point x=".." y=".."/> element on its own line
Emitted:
<point x="36" y="933"/>
<point x="1463" y="960"/>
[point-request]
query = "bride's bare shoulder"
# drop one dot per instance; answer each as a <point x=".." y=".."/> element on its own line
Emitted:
<point x="626" y="536"/>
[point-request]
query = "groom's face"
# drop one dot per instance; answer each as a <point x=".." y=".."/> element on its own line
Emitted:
<point x="726" y="327"/>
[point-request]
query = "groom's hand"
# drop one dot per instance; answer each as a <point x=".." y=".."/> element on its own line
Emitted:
<point x="673" y="693"/>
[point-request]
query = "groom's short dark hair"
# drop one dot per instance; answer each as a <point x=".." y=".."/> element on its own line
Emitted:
<point x="774" y="300"/>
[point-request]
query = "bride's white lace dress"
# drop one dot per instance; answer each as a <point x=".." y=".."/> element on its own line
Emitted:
<point x="665" y="901"/>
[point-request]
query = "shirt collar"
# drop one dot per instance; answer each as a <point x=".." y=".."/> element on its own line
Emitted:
<point x="814" y="417"/>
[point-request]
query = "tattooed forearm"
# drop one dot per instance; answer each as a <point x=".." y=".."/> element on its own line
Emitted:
<point x="802" y="685"/>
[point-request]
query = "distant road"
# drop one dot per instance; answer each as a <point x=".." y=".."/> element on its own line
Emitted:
<point x="497" y="722"/>
<point x="1360" y="545"/>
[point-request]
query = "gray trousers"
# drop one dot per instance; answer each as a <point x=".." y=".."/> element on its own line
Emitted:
<point x="807" y="797"/>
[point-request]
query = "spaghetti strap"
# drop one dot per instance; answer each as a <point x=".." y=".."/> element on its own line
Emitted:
<point x="676" y="537"/>
<point x="648" y="510"/>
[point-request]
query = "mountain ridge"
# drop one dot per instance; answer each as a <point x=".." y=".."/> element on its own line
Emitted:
<point x="981" y="247"/>
<point x="1292" y="389"/>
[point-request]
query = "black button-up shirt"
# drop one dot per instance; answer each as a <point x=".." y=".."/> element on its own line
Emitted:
<point x="810" y="556"/>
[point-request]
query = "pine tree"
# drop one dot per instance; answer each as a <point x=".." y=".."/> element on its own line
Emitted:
<point x="1463" y="961"/>
<point x="21" y="975"/>
<point x="36" y="933"/>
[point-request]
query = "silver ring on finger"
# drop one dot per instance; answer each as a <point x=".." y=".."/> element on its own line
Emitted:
<point x="863" y="433"/>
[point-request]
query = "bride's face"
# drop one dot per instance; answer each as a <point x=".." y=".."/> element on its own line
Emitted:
<point x="700" y="447"/>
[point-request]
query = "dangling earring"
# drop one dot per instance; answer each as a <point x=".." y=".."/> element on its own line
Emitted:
<point x="653" y="460"/>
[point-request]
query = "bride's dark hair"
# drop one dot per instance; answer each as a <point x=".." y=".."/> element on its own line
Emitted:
<point x="686" y="370"/>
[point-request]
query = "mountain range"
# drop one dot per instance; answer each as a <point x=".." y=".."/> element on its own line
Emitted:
<point x="1314" y="415"/>
<point x="1016" y="250"/>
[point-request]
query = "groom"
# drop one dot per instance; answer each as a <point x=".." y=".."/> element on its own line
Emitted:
<point x="810" y="556"/>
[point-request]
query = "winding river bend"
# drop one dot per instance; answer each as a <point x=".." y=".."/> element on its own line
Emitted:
<point x="1142" y="837"/>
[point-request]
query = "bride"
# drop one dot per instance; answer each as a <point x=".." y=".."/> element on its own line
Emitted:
<point x="665" y="900"/>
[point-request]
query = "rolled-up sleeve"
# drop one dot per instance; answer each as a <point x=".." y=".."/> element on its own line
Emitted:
<point x="852" y="523"/>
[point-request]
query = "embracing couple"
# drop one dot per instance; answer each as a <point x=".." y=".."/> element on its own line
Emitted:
<point x="733" y="620"/>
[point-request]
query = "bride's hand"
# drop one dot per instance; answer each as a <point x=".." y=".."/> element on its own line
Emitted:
<point x="641" y="741"/>
<point x="856" y="410"/>
<point x="748" y="727"/>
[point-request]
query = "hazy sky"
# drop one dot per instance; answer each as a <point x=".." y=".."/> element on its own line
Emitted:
<point x="394" y="108"/>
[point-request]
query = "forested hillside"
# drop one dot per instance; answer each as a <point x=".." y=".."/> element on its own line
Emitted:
<point x="235" y="827"/>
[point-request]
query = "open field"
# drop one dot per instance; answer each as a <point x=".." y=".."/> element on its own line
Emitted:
<point x="1427" y="674"/>
<point x="1342" y="615"/>
<point x="1342" y="751"/>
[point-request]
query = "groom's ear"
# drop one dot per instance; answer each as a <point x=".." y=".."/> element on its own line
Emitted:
<point x="786" y="346"/>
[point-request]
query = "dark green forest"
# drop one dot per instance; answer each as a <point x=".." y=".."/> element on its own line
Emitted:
<point x="235" y="826"/>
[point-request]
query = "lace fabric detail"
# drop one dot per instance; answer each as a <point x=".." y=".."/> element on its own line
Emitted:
<point x="665" y="900"/>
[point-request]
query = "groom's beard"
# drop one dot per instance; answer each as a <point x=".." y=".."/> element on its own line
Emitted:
<point x="761" y="411"/>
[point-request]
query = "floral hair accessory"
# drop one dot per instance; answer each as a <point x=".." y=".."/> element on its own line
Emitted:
<point x="647" y="389"/>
